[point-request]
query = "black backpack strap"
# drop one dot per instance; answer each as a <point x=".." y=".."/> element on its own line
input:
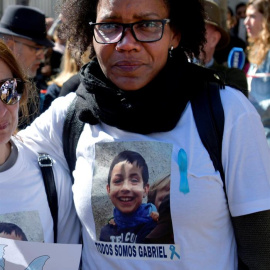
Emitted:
<point x="209" y="118"/>
<point x="72" y="130"/>
<point x="45" y="162"/>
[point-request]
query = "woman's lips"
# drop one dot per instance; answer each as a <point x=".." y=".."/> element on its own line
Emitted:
<point x="128" y="66"/>
<point x="3" y="125"/>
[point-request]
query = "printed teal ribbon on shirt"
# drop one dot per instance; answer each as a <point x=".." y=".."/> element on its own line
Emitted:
<point x="182" y="163"/>
<point x="172" y="248"/>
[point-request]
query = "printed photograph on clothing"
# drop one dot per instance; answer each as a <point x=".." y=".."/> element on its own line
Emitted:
<point x="23" y="226"/>
<point x="131" y="184"/>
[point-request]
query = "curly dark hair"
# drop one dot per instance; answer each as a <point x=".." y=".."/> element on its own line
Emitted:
<point x="187" y="17"/>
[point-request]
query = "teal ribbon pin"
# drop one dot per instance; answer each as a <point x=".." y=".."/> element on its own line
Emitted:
<point x="182" y="163"/>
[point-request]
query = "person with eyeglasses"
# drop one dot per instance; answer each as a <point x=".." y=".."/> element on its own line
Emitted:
<point x="22" y="192"/>
<point x="23" y="29"/>
<point x="135" y="95"/>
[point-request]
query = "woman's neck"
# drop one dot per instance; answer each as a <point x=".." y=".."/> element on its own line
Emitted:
<point x="5" y="151"/>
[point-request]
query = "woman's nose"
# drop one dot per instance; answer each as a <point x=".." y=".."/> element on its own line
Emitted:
<point x="128" y="42"/>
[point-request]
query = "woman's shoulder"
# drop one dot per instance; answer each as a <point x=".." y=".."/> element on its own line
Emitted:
<point x="45" y="133"/>
<point x="27" y="158"/>
<point x="56" y="114"/>
<point x="238" y="109"/>
<point x="61" y="104"/>
<point x="234" y="99"/>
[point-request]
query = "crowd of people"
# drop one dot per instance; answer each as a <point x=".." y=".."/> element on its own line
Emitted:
<point x="108" y="92"/>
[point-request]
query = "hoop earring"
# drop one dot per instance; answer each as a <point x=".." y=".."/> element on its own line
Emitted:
<point x="170" y="52"/>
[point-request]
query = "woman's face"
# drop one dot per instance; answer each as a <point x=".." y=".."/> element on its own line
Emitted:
<point x="8" y="113"/>
<point x="253" y="22"/>
<point x="131" y="64"/>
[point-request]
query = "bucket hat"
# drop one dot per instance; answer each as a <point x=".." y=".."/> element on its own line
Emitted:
<point x="213" y="17"/>
<point x="25" y="22"/>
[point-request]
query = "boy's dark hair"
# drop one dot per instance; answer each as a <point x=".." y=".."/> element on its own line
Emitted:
<point x="131" y="157"/>
<point x="187" y="17"/>
<point x="8" y="228"/>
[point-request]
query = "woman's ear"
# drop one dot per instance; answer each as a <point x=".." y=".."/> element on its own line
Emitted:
<point x="176" y="38"/>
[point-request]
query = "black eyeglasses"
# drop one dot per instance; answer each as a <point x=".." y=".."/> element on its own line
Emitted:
<point x="143" y="31"/>
<point x="11" y="90"/>
<point x="38" y="50"/>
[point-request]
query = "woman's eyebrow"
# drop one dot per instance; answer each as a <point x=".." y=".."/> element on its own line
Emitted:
<point x="146" y="15"/>
<point x="149" y="15"/>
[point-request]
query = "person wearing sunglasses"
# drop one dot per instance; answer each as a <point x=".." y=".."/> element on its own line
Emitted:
<point x="22" y="192"/>
<point x="23" y="29"/>
<point x="136" y="94"/>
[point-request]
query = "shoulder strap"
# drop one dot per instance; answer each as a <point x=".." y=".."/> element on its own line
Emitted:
<point x="72" y="130"/>
<point x="45" y="162"/>
<point x="209" y="118"/>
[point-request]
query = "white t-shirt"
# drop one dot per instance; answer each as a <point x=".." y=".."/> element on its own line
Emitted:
<point x="23" y="200"/>
<point x="202" y="231"/>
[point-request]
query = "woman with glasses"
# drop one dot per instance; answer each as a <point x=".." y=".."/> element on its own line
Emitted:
<point x="135" y="95"/>
<point x="22" y="194"/>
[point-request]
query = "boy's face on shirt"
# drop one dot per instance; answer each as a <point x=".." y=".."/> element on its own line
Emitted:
<point x="126" y="189"/>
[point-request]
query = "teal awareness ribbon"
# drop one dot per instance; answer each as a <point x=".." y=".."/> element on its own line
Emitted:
<point x="172" y="248"/>
<point x="182" y="163"/>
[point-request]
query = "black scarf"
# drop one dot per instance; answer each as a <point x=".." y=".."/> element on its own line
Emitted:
<point x="157" y="107"/>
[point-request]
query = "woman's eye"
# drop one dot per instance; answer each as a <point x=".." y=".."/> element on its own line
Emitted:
<point x="108" y="27"/>
<point x="149" y="24"/>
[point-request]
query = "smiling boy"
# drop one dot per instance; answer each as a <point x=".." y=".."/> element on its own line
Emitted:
<point x="127" y="186"/>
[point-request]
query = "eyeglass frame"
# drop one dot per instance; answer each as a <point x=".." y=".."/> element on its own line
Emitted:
<point x="37" y="49"/>
<point x="130" y="25"/>
<point x="19" y="93"/>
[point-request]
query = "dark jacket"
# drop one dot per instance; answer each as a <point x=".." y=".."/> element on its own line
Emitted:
<point x="232" y="76"/>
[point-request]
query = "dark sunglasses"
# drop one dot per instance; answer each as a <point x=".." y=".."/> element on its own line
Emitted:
<point x="11" y="90"/>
